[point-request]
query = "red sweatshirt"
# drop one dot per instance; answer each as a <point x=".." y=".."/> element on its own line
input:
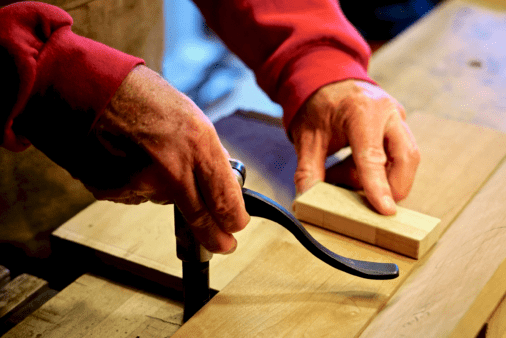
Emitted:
<point x="293" y="46"/>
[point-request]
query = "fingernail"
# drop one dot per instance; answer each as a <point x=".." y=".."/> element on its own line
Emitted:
<point x="233" y="248"/>
<point x="389" y="204"/>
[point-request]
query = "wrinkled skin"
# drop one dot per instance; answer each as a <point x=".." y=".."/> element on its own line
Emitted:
<point x="355" y="113"/>
<point x="188" y="166"/>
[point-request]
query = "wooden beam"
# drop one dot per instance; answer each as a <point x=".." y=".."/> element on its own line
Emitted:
<point x="407" y="232"/>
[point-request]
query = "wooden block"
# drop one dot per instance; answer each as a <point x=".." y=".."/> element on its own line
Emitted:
<point x="461" y="281"/>
<point x="407" y="232"/>
<point x="288" y="293"/>
<point x="18" y="292"/>
<point x="496" y="325"/>
<point x="95" y="307"/>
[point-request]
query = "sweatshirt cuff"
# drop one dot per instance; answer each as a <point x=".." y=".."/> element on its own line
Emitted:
<point x="76" y="78"/>
<point x="312" y="71"/>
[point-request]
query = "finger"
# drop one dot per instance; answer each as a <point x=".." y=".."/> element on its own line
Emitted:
<point x="199" y="218"/>
<point x="221" y="192"/>
<point x="311" y="148"/>
<point x="404" y="158"/>
<point x="366" y="141"/>
<point x="344" y="174"/>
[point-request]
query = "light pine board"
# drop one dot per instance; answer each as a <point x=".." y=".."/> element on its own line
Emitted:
<point x="287" y="292"/>
<point x="95" y="307"/>
<point x="346" y="212"/>
<point x="461" y="281"/>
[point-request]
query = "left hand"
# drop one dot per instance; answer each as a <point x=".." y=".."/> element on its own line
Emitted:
<point x="362" y="115"/>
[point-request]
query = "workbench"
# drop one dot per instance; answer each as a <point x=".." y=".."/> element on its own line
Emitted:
<point x="449" y="71"/>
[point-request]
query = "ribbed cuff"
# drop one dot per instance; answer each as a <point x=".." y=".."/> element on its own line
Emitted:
<point x="312" y="71"/>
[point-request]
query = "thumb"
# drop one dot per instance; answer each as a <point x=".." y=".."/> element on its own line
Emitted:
<point x="311" y="147"/>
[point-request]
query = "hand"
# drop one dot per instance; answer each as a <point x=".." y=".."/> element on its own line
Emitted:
<point x="362" y="115"/>
<point x="153" y="143"/>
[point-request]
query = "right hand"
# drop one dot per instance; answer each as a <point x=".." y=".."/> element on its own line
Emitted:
<point x="176" y="157"/>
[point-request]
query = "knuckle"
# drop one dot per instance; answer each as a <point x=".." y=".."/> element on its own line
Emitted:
<point x="400" y="193"/>
<point x="411" y="156"/>
<point x="229" y="215"/>
<point x="216" y="247"/>
<point x="415" y="155"/>
<point x="372" y="156"/>
<point x="199" y="219"/>
<point x="304" y="179"/>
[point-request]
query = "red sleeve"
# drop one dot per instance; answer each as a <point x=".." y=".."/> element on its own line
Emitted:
<point x="293" y="46"/>
<point x="51" y="71"/>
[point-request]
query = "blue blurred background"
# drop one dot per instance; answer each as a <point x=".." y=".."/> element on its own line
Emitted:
<point x="200" y="65"/>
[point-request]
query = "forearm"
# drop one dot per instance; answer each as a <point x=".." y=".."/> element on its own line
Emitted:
<point x="294" y="47"/>
<point x="61" y="81"/>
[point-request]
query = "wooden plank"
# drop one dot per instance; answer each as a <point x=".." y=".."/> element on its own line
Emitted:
<point x="469" y="155"/>
<point x="141" y="238"/>
<point x="287" y="292"/>
<point x="18" y="292"/>
<point x="461" y="282"/>
<point x="496" y="5"/>
<point x="457" y="159"/>
<point x="346" y="212"/>
<point x="496" y="325"/>
<point x="95" y="307"/>
<point x="5" y="276"/>
<point x="450" y="63"/>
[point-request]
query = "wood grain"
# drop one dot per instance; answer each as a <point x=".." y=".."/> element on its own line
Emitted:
<point x="95" y="307"/>
<point x="348" y="213"/>
<point x="448" y="176"/>
<point x="275" y="296"/>
<point x="18" y="292"/>
<point x="461" y="282"/>
<point x="457" y="159"/>
<point x="450" y="64"/>
<point x="5" y="276"/>
<point x="496" y="325"/>
<point x="288" y="293"/>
